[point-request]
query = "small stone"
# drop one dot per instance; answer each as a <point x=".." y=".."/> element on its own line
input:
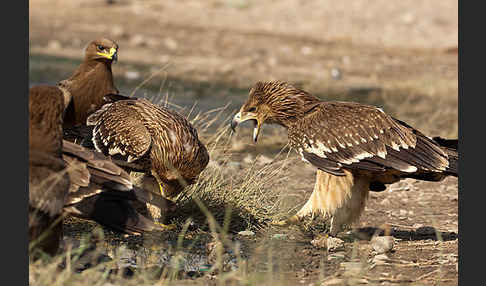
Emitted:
<point x="380" y="259"/>
<point x="246" y="233"/>
<point x="382" y="244"/>
<point x="331" y="243"/>
<point x="336" y="255"/>
<point x="334" y="244"/>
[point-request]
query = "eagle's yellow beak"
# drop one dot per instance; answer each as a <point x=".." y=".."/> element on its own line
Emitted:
<point x="245" y="116"/>
<point x="111" y="55"/>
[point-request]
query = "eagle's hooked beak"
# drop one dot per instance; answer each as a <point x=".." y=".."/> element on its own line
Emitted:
<point x="111" y="55"/>
<point x="239" y="118"/>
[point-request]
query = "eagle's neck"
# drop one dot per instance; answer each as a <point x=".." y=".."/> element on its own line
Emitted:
<point x="98" y="72"/>
<point x="292" y="109"/>
<point x="88" y="85"/>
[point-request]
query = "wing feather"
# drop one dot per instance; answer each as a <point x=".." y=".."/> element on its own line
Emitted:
<point x="119" y="129"/>
<point x="351" y="135"/>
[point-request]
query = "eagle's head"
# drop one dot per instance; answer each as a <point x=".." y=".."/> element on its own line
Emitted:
<point x="102" y="49"/>
<point x="274" y="102"/>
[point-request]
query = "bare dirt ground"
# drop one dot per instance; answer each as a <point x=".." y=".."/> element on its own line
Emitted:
<point x="400" y="55"/>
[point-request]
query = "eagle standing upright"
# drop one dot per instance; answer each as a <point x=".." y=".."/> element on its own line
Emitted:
<point x="90" y="82"/>
<point x="162" y="142"/>
<point x="356" y="148"/>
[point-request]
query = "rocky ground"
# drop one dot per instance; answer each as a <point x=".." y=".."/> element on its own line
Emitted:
<point x="207" y="54"/>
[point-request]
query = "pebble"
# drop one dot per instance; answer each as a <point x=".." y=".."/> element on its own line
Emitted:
<point x="331" y="243"/>
<point x="380" y="259"/>
<point x="382" y="244"/>
<point x="246" y="233"/>
<point x="336" y="255"/>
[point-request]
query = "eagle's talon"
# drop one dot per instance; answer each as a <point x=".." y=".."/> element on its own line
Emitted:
<point x="166" y="226"/>
<point x="290" y="221"/>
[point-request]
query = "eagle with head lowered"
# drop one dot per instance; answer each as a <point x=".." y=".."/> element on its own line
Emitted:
<point x="356" y="148"/>
<point x="161" y="143"/>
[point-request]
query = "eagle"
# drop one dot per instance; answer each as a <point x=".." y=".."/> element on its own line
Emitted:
<point x="90" y="82"/>
<point x="356" y="148"/>
<point x="161" y="143"/>
<point x="48" y="180"/>
<point x="67" y="178"/>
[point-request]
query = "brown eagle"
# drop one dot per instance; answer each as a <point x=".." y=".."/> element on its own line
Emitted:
<point x="67" y="178"/>
<point x="160" y="141"/>
<point x="356" y="148"/>
<point x="48" y="180"/>
<point x="90" y="82"/>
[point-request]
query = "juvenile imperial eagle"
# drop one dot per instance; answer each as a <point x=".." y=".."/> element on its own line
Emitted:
<point x="67" y="178"/>
<point x="160" y="141"/>
<point x="356" y="148"/>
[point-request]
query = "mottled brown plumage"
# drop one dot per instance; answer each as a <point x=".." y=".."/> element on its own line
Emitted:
<point x="90" y="82"/>
<point x="356" y="147"/>
<point x="65" y="177"/>
<point x="161" y="141"/>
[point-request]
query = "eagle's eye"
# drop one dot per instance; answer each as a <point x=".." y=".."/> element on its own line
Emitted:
<point x="252" y="109"/>
<point x="100" y="47"/>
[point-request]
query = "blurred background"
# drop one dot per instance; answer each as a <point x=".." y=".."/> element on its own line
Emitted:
<point x="401" y="55"/>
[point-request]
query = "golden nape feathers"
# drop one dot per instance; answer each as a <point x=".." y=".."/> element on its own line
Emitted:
<point x="346" y="140"/>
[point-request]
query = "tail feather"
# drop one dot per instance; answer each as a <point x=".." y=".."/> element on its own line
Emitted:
<point x="450" y="147"/>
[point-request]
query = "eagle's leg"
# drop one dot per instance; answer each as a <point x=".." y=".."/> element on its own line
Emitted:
<point x="352" y="207"/>
<point x="341" y="197"/>
<point x="323" y="199"/>
<point x="151" y="183"/>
